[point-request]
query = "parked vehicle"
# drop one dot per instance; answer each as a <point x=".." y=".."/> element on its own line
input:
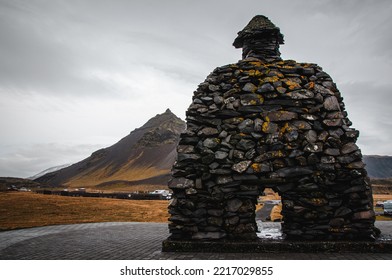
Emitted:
<point x="388" y="208"/>
<point x="380" y="204"/>
<point x="164" y="193"/>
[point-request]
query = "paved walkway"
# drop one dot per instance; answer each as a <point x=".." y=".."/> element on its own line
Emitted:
<point x="130" y="241"/>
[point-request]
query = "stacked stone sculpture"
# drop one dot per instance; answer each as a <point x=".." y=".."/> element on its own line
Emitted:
<point x="267" y="122"/>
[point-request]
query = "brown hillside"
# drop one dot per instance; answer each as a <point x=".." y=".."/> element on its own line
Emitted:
<point x="145" y="154"/>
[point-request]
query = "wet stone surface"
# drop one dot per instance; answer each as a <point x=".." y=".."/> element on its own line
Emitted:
<point x="140" y="241"/>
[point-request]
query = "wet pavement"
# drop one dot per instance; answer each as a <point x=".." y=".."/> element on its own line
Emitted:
<point x="139" y="241"/>
<point x="269" y="230"/>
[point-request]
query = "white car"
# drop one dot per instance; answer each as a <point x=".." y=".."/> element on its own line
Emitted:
<point x="165" y="193"/>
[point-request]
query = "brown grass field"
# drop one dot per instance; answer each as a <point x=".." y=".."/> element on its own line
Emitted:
<point x="28" y="209"/>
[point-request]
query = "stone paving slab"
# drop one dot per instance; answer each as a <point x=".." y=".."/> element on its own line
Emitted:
<point x="132" y="241"/>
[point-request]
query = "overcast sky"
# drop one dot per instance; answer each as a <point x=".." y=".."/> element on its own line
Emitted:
<point x="76" y="76"/>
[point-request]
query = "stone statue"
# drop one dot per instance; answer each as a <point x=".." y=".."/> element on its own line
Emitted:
<point x="267" y="122"/>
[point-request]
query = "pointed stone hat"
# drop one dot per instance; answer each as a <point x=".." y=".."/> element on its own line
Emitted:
<point x="259" y="27"/>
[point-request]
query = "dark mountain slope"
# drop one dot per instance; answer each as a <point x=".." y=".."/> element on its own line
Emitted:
<point x="146" y="153"/>
<point x="379" y="166"/>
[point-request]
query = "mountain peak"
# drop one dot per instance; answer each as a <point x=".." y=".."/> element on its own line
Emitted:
<point x="166" y="120"/>
<point x="162" y="129"/>
<point x="146" y="153"/>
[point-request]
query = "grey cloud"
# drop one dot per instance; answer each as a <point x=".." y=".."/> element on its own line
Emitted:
<point x="55" y="47"/>
<point x="31" y="159"/>
<point x="365" y="24"/>
<point x="368" y="107"/>
<point x="33" y="56"/>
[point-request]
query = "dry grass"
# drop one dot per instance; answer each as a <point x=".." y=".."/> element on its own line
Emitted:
<point x="23" y="210"/>
<point x="383" y="218"/>
<point x="381" y="197"/>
